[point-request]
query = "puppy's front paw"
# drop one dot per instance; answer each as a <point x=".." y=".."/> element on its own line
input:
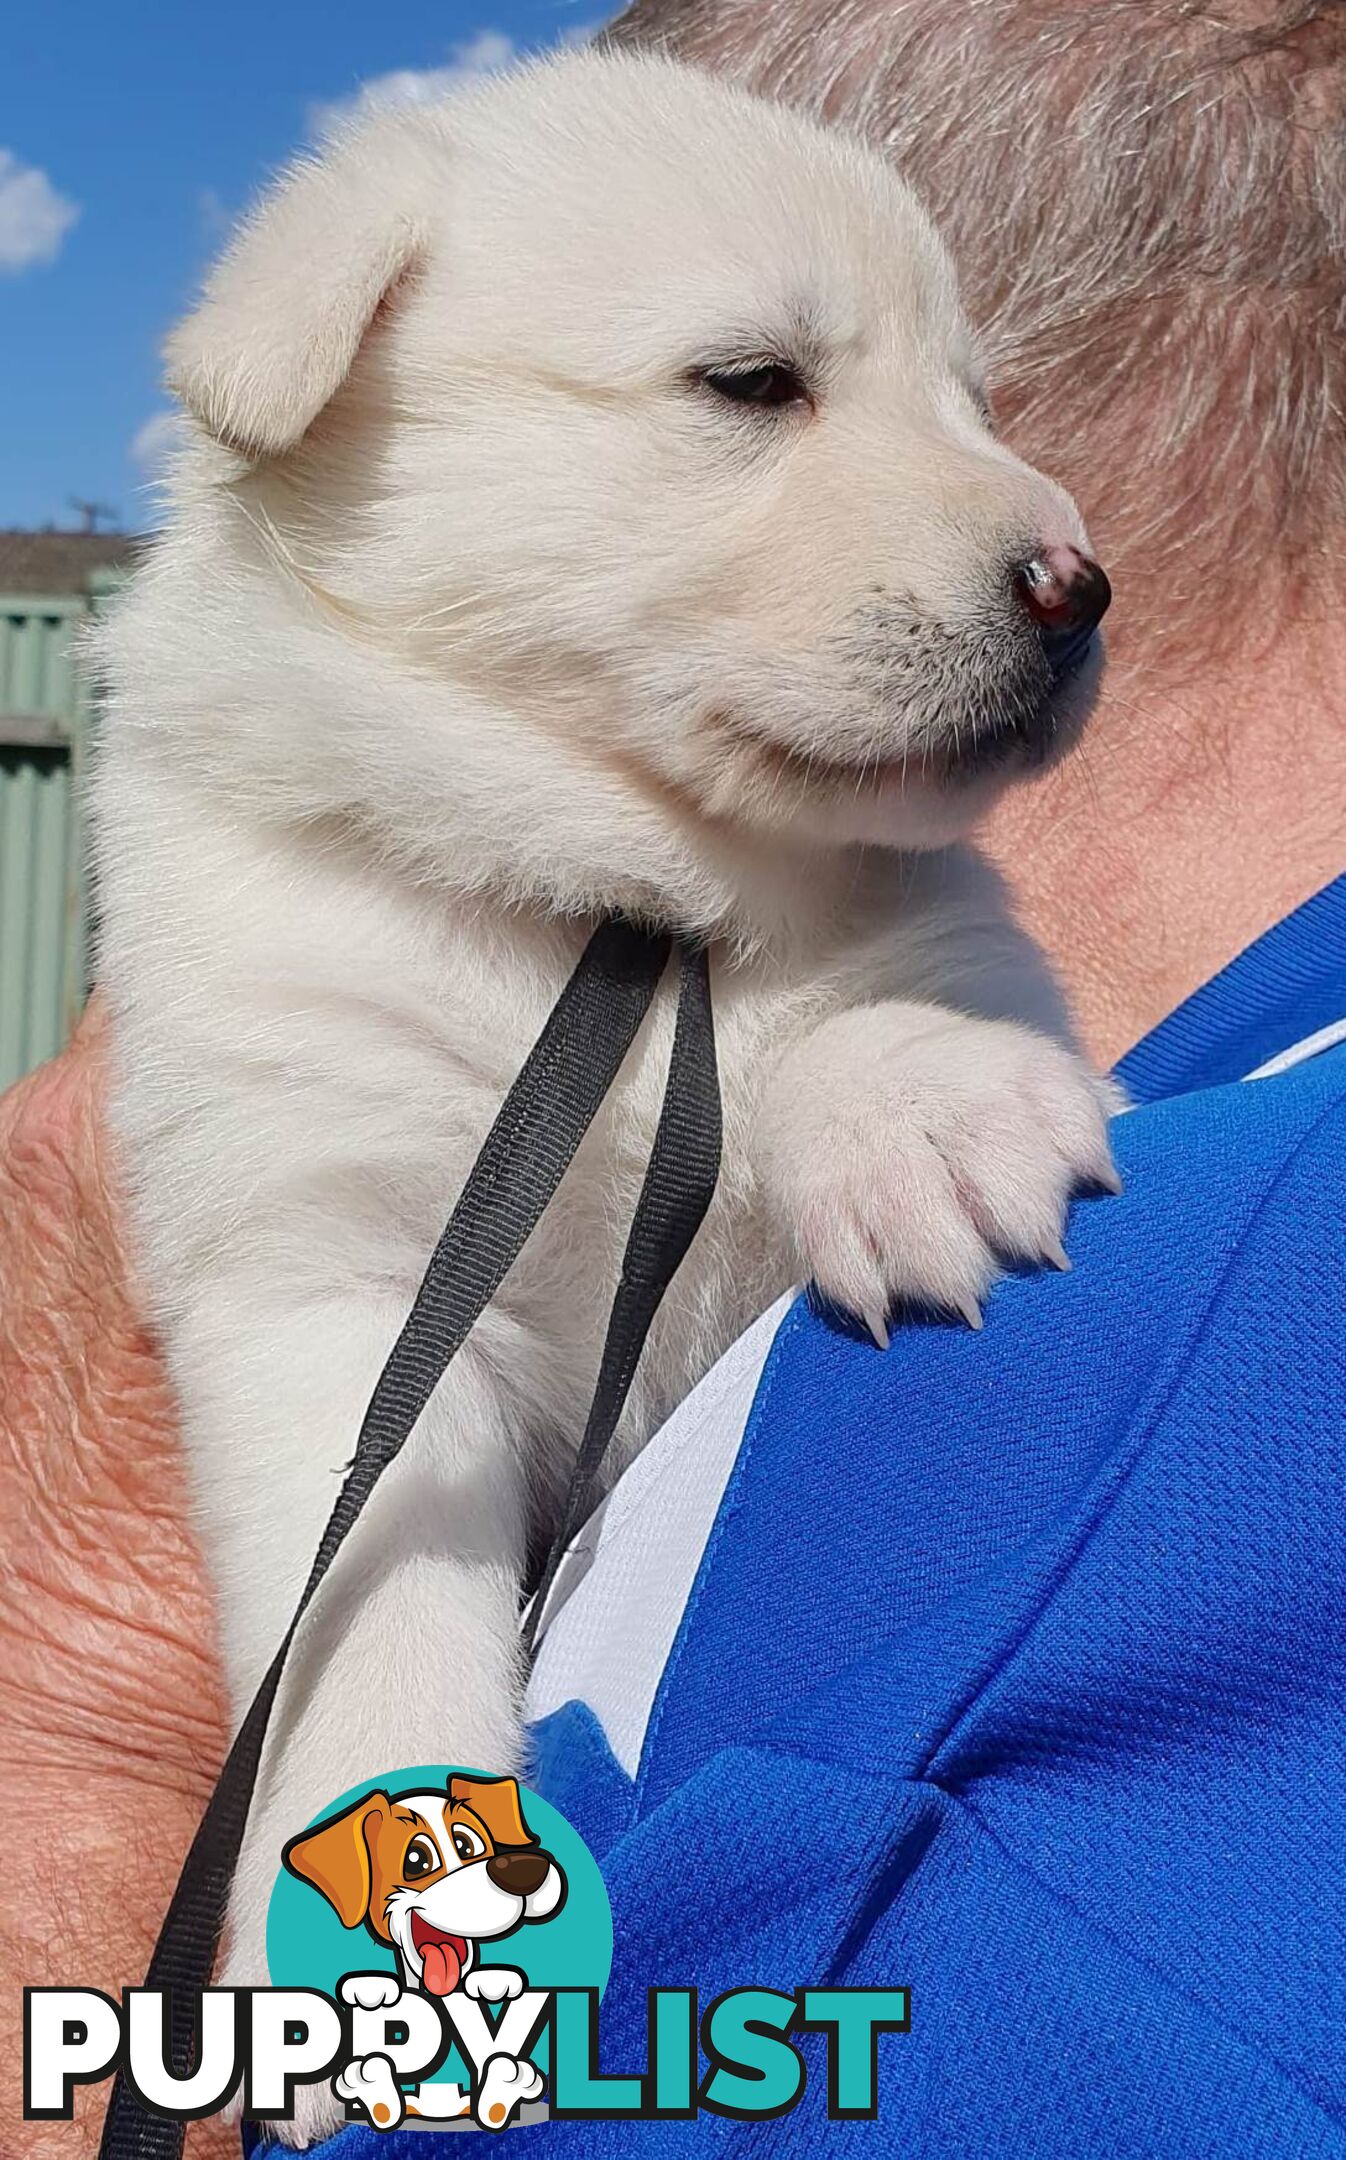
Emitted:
<point x="906" y="1151"/>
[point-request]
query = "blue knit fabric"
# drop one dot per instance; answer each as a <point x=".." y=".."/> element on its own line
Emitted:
<point x="1282" y="989"/>
<point x="1015" y="1668"/>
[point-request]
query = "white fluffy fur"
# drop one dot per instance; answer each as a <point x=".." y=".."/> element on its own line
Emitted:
<point x="474" y="614"/>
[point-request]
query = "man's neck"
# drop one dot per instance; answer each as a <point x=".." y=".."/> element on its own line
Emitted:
<point x="1189" y="821"/>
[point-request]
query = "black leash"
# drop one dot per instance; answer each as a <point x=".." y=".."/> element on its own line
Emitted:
<point x="534" y="1138"/>
<point x="684" y="1165"/>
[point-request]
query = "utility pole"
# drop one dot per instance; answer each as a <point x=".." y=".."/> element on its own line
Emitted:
<point x="91" y="512"/>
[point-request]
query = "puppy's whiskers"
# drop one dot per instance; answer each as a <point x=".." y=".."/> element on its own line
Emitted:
<point x="429" y="617"/>
<point x="284" y="558"/>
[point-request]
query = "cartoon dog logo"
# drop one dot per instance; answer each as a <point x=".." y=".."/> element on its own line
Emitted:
<point x="433" y="1874"/>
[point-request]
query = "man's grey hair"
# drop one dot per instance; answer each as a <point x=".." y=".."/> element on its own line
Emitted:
<point x="1147" y="201"/>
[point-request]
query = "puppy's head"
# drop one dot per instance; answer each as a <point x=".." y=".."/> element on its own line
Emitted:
<point x="645" y="412"/>
<point x="432" y="1873"/>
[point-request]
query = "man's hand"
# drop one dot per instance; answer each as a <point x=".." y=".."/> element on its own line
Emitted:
<point x="112" y="1720"/>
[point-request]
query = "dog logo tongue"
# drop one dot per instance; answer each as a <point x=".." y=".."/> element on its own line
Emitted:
<point x="442" y="1963"/>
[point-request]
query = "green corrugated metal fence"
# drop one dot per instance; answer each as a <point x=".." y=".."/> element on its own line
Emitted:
<point x="43" y="724"/>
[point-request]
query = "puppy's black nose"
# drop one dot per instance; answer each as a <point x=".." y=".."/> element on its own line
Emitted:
<point x="1067" y="595"/>
<point x="521" y="1873"/>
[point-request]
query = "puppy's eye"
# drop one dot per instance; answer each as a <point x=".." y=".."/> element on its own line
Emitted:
<point x="772" y="383"/>
<point x="466" y="1843"/>
<point x="420" y="1859"/>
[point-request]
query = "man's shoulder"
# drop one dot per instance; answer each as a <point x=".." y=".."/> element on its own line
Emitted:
<point x="1211" y="1178"/>
<point x="1229" y="1193"/>
<point x="816" y="1494"/>
<point x="1215" y="1182"/>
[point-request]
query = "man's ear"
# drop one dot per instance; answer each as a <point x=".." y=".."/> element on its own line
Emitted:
<point x="286" y="307"/>
<point x="335" y="1857"/>
<point x="496" y="1802"/>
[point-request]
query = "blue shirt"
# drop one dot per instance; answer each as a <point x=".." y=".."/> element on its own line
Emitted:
<point x="1012" y="1666"/>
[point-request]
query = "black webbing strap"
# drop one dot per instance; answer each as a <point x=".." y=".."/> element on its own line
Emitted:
<point x="684" y="1164"/>
<point x="534" y="1138"/>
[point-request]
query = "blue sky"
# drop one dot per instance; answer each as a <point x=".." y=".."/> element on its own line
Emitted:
<point x="129" y="135"/>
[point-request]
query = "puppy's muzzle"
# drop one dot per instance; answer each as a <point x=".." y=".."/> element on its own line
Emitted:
<point x="520" y="1873"/>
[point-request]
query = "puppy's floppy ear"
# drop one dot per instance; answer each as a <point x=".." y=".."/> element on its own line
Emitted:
<point x="336" y="1857"/>
<point x="496" y="1801"/>
<point x="285" y="309"/>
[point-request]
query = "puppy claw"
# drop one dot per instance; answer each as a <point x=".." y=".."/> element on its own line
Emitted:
<point x="908" y="1161"/>
<point x="877" y="1324"/>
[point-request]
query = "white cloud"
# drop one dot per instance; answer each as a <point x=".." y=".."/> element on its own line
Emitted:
<point x="34" y="219"/>
<point x="483" y="53"/>
<point x="154" y="439"/>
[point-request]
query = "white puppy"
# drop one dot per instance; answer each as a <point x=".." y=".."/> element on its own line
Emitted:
<point x="590" y="503"/>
